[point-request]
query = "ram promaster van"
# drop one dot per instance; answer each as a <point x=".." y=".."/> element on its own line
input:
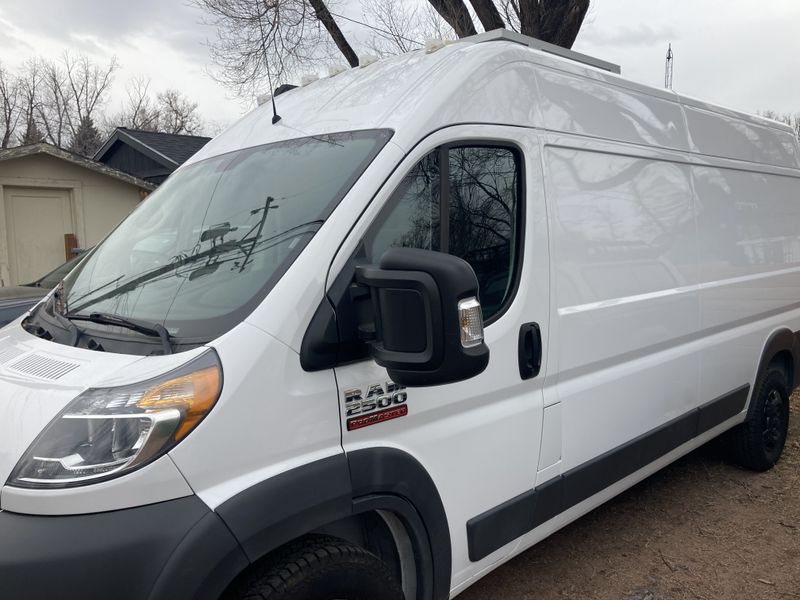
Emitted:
<point x="376" y="344"/>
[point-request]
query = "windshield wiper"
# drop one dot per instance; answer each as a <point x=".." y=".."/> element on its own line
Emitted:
<point x="240" y="245"/>
<point x="151" y="329"/>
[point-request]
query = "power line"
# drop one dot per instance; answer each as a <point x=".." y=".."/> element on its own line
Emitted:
<point x="383" y="31"/>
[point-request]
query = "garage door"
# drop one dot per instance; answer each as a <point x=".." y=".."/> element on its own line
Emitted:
<point x="37" y="220"/>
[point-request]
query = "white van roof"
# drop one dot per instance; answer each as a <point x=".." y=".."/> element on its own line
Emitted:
<point x="499" y="79"/>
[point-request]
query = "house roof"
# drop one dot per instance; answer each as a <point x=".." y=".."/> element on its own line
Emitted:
<point x="168" y="149"/>
<point x="87" y="163"/>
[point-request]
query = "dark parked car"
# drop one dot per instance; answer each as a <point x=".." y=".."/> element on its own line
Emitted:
<point x="16" y="299"/>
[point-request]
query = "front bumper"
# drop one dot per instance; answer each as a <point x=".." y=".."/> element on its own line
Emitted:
<point x="171" y="550"/>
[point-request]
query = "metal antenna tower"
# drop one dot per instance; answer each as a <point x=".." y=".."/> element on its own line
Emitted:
<point x="668" y="69"/>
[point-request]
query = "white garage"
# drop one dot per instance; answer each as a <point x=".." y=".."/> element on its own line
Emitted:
<point x="53" y="202"/>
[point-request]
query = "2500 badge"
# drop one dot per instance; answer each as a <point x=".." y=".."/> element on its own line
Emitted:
<point x="377" y="404"/>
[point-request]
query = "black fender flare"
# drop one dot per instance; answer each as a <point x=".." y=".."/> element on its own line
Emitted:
<point x="780" y="340"/>
<point x="284" y="507"/>
<point x="389" y="471"/>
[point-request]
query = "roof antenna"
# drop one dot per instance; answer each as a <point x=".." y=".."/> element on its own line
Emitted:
<point x="275" y="116"/>
<point x="668" y="69"/>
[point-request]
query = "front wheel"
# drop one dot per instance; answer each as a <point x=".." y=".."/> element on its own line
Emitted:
<point x="757" y="443"/>
<point x="318" y="568"/>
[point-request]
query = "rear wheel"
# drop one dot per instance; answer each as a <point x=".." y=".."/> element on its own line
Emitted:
<point x="757" y="443"/>
<point x="318" y="568"/>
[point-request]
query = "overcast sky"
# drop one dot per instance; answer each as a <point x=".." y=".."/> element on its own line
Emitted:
<point x="738" y="53"/>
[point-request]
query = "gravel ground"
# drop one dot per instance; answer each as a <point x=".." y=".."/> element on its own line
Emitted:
<point x="700" y="529"/>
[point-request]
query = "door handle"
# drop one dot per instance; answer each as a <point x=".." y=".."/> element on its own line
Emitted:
<point x="530" y="350"/>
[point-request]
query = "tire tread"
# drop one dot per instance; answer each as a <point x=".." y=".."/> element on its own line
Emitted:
<point x="745" y="441"/>
<point x="274" y="578"/>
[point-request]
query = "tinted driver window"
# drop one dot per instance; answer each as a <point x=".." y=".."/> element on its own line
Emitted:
<point x="481" y="186"/>
<point x="413" y="221"/>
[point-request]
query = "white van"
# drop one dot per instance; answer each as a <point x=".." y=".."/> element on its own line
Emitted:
<point x="444" y="305"/>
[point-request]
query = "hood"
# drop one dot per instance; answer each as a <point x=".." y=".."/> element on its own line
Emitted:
<point x="20" y="292"/>
<point x="39" y="378"/>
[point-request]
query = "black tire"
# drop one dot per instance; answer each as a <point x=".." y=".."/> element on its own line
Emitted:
<point x="757" y="443"/>
<point x="317" y="568"/>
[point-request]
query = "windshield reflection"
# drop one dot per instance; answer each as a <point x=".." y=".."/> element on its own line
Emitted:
<point x="207" y="246"/>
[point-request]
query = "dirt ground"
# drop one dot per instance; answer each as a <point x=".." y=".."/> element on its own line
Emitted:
<point x="700" y="528"/>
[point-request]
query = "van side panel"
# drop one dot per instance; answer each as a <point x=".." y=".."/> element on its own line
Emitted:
<point x="579" y="105"/>
<point x="715" y="134"/>
<point x="749" y="252"/>
<point x="625" y="291"/>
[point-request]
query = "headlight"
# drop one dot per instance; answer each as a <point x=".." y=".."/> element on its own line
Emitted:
<point x="106" y="432"/>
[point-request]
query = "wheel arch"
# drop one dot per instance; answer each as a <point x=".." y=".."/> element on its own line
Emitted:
<point x="782" y="347"/>
<point x="340" y="493"/>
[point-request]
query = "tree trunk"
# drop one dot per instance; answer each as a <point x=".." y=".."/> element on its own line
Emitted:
<point x="571" y="24"/>
<point x="457" y="16"/>
<point x="325" y="17"/>
<point x="488" y="14"/>
<point x="554" y="21"/>
<point x="529" y="17"/>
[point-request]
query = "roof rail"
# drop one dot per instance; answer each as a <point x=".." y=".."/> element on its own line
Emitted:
<point x="536" y="44"/>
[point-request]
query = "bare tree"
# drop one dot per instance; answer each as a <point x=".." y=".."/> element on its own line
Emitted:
<point x="402" y="26"/>
<point x="793" y="120"/>
<point x="9" y="100"/>
<point x="170" y="111"/>
<point x="554" y="21"/>
<point x="177" y="114"/>
<point x="139" y="110"/>
<point x="88" y="85"/>
<point x="53" y="106"/>
<point x="71" y="92"/>
<point x="142" y="111"/>
<point x="395" y="26"/>
<point x="487" y="14"/>
<point x="30" y="82"/>
<point x="457" y="15"/>
<point x="259" y="40"/>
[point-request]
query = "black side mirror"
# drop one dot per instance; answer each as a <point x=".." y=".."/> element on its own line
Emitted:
<point x="426" y="326"/>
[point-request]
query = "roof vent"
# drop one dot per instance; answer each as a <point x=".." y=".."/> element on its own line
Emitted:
<point x="366" y="59"/>
<point x="536" y="44"/>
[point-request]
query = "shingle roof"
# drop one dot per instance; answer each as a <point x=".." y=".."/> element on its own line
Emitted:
<point x="48" y="149"/>
<point x="168" y="148"/>
<point x="178" y="148"/>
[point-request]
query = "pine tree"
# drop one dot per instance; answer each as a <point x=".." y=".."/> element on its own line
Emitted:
<point x="32" y="134"/>
<point x="87" y="140"/>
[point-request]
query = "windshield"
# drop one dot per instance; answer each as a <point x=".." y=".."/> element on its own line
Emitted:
<point x="200" y="253"/>
<point x="54" y="277"/>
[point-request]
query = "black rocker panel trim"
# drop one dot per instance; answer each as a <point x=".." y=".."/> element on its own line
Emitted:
<point x="502" y="524"/>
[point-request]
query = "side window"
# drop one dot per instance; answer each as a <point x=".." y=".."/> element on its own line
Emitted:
<point x="483" y="218"/>
<point x="413" y="221"/>
<point x="480" y="211"/>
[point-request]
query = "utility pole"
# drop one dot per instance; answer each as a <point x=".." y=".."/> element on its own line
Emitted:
<point x="668" y="69"/>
